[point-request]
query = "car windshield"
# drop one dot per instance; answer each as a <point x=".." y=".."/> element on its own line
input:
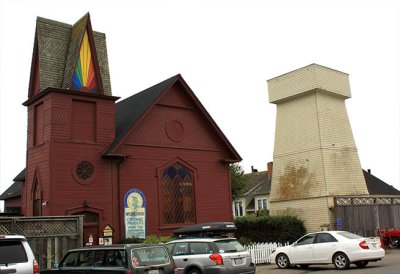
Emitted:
<point x="349" y="235"/>
<point x="12" y="252"/>
<point x="146" y="256"/>
<point x="229" y="246"/>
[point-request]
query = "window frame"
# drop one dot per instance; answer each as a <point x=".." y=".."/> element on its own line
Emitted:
<point x="263" y="202"/>
<point x="238" y="206"/>
<point x="161" y="174"/>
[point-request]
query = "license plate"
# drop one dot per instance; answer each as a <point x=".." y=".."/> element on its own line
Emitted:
<point x="153" y="271"/>
<point x="238" y="261"/>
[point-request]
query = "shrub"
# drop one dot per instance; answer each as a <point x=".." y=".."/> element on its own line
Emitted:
<point x="262" y="212"/>
<point x="158" y="239"/>
<point x="244" y="241"/>
<point x="149" y="239"/>
<point x="133" y="240"/>
<point x="265" y="228"/>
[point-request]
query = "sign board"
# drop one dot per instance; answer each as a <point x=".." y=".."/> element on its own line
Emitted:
<point x="108" y="231"/>
<point x="135" y="214"/>
<point x="339" y="223"/>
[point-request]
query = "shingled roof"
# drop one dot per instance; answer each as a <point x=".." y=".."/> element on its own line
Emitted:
<point x="256" y="183"/>
<point x="378" y="187"/>
<point x="56" y="49"/>
<point x="15" y="189"/>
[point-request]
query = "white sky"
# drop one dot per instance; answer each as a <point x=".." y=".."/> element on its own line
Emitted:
<point x="225" y="50"/>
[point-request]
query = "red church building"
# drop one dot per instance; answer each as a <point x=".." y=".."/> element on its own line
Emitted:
<point x="156" y="157"/>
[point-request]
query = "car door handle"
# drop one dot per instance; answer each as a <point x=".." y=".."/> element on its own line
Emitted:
<point x="185" y="260"/>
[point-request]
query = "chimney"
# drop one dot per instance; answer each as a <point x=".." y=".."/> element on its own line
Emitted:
<point x="253" y="169"/>
<point x="369" y="171"/>
<point x="269" y="170"/>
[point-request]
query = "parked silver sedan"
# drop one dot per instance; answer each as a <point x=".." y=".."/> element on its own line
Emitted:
<point x="326" y="247"/>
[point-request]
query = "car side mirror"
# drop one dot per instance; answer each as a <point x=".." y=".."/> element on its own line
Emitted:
<point x="295" y="243"/>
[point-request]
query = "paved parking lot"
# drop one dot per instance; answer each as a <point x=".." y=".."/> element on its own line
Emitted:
<point x="388" y="265"/>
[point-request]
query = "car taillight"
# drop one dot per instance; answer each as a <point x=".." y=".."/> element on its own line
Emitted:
<point x="35" y="267"/>
<point x="175" y="270"/>
<point x="363" y="245"/>
<point x="128" y="272"/>
<point x="217" y="258"/>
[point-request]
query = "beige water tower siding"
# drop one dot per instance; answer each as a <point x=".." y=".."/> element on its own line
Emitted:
<point x="315" y="156"/>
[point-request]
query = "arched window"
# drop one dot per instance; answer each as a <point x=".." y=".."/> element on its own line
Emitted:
<point x="37" y="199"/>
<point x="177" y="195"/>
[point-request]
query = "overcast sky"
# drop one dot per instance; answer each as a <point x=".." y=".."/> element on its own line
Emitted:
<point x="225" y="50"/>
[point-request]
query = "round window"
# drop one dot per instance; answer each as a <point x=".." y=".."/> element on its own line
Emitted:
<point x="84" y="170"/>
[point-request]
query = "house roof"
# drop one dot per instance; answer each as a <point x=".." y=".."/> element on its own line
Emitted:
<point x="20" y="176"/>
<point x="15" y="189"/>
<point x="57" y="49"/>
<point x="378" y="187"/>
<point x="131" y="110"/>
<point x="257" y="183"/>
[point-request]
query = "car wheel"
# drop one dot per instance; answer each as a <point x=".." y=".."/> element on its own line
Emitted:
<point x="394" y="242"/>
<point x="282" y="261"/>
<point x="361" y="264"/>
<point x="193" y="271"/>
<point x="341" y="261"/>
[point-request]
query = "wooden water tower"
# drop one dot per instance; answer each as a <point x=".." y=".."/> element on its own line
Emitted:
<point x="315" y="156"/>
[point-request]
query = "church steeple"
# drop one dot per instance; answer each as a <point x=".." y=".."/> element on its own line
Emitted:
<point x="69" y="57"/>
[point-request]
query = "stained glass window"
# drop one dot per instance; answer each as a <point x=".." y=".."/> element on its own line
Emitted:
<point x="177" y="195"/>
<point x="85" y="75"/>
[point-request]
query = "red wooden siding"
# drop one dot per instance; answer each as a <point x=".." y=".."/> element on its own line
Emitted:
<point x="39" y="124"/>
<point x="83" y="121"/>
<point x="79" y="127"/>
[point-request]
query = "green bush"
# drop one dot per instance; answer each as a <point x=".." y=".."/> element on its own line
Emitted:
<point x="149" y="239"/>
<point x="158" y="239"/>
<point x="266" y="228"/>
<point x="262" y="212"/>
<point x="244" y="241"/>
<point x="133" y="240"/>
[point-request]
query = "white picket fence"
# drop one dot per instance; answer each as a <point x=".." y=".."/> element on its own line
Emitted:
<point x="260" y="252"/>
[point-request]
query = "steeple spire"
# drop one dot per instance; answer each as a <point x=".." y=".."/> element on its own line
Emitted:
<point x="85" y="78"/>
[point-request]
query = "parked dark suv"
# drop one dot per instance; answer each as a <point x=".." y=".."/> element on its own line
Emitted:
<point x="211" y="255"/>
<point x="127" y="259"/>
<point x="16" y="255"/>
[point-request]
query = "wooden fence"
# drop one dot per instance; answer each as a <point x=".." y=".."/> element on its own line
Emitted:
<point x="49" y="237"/>
<point x="365" y="215"/>
<point x="261" y="252"/>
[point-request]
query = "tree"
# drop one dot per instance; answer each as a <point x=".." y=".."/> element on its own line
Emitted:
<point x="238" y="180"/>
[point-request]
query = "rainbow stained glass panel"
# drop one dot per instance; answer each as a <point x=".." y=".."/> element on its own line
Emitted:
<point x="84" y="75"/>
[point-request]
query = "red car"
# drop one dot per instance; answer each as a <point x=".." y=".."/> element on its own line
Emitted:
<point x="390" y="238"/>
